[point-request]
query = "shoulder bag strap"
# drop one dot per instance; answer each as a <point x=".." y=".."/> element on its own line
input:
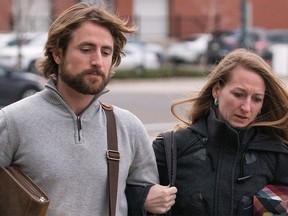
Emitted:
<point x="113" y="158"/>
<point x="171" y="155"/>
<point x="171" y="158"/>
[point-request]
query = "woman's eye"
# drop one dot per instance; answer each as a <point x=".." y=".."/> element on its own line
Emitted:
<point x="257" y="99"/>
<point x="239" y="95"/>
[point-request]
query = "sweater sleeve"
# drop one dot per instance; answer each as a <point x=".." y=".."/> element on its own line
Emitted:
<point x="6" y="153"/>
<point x="143" y="168"/>
<point x="142" y="173"/>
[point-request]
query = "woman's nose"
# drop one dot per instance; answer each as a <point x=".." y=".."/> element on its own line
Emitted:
<point x="246" y="105"/>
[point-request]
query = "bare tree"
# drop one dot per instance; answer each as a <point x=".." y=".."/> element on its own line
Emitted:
<point x="213" y="10"/>
<point x="29" y="16"/>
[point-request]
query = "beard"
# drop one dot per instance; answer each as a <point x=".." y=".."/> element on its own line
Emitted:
<point x="78" y="82"/>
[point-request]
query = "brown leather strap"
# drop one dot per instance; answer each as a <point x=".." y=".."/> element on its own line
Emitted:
<point x="113" y="157"/>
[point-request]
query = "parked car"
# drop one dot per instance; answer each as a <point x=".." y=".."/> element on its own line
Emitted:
<point x="223" y="42"/>
<point x="16" y="85"/>
<point x="257" y="40"/>
<point x="29" y="52"/>
<point x="5" y="38"/>
<point x="189" y="50"/>
<point x="148" y="47"/>
<point x="11" y="39"/>
<point x="139" y="59"/>
<point x="278" y="36"/>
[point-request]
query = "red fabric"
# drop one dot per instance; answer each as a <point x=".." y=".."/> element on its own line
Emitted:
<point x="272" y="198"/>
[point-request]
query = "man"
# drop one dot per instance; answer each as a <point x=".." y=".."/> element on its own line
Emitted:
<point x="58" y="136"/>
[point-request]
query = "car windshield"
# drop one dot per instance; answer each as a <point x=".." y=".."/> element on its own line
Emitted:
<point x="2" y="71"/>
<point x="24" y="38"/>
<point x="39" y="40"/>
<point x="192" y="38"/>
<point x="278" y="36"/>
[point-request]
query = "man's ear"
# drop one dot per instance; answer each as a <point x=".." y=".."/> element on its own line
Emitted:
<point x="57" y="55"/>
<point x="215" y="90"/>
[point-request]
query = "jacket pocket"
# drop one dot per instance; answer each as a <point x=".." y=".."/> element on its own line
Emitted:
<point x="195" y="205"/>
<point x="245" y="206"/>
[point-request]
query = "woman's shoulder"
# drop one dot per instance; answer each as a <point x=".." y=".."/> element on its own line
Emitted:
<point x="265" y="141"/>
<point x="186" y="134"/>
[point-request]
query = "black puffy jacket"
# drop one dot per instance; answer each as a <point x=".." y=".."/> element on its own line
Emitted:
<point x="219" y="169"/>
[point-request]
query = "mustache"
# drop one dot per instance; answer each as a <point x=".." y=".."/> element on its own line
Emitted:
<point x="93" y="71"/>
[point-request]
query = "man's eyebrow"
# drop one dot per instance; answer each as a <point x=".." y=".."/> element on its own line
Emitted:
<point x="87" y="43"/>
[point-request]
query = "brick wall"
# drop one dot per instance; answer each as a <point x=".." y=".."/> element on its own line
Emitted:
<point x="193" y="16"/>
<point x="5" y="15"/>
<point x="186" y="16"/>
<point x="59" y="6"/>
<point x="270" y="13"/>
<point x="6" y="11"/>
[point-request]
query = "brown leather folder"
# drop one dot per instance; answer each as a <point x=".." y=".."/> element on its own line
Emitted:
<point x="19" y="195"/>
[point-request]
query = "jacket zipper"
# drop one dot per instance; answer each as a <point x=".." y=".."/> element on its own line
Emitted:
<point x="79" y="127"/>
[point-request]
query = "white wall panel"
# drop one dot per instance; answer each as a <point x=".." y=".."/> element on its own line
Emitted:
<point x="152" y="18"/>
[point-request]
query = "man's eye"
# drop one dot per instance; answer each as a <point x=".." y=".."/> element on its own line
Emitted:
<point x="85" y="50"/>
<point x="106" y="52"/>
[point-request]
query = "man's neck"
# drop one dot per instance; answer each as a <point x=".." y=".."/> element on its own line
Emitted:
<point x="78" y="102"/>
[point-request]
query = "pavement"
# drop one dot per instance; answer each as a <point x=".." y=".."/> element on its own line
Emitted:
<point x="167" y="87"/>
<point x="170" y="85"/>
<point x="154" y="98"/>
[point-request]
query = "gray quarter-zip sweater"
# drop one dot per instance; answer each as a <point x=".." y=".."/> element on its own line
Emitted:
<point x="65" y="154"/>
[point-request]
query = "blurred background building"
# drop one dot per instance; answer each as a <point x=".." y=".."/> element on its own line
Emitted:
<point x="194" y="32"/>
<point x="157" y="19"/>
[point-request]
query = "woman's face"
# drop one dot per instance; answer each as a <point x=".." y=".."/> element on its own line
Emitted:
<point x="241" y="98"/>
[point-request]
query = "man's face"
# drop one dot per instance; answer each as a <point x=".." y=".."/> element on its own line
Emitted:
<point x="86" y="65"/>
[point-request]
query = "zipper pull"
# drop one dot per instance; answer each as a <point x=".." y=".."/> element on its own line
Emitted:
<point x="79" y="126"/>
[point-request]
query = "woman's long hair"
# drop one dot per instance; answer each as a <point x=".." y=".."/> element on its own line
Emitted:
<point x="274" y="112"/>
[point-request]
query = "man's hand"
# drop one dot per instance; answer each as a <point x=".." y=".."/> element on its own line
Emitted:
<point x="160" y="199"/>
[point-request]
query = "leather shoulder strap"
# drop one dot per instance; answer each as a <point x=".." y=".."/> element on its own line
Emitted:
<point x="113" y="157"/>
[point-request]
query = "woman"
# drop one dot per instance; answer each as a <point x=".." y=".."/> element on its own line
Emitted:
<point x="235" y="139"/>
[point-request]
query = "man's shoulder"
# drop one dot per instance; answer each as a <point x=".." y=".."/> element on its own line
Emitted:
<point x="120" y="112"/>
<point x="23" y="107"/>
<point x="124" y="115"/>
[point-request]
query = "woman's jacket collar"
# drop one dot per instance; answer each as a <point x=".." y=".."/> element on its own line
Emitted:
<point x="258" y="139"/>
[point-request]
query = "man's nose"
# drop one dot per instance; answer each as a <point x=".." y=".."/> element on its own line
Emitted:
<point x="96" y="59"/>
